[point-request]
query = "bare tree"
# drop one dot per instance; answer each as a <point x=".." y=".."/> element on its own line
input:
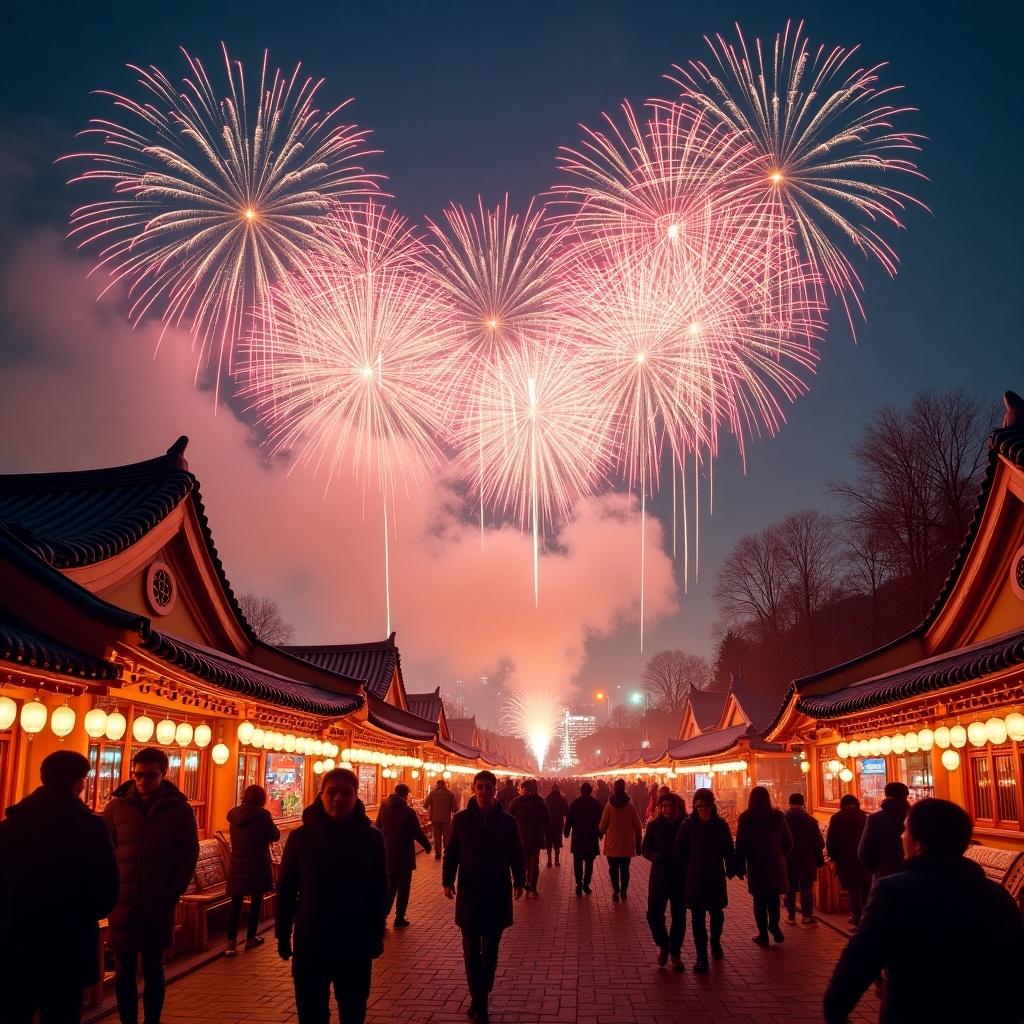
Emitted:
<point x="868" y="569"/>
<point x="266" y="619"/>
<point x="669" y="674"/>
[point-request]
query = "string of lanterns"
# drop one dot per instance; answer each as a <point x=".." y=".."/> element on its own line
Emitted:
<point x="703" y="768"/>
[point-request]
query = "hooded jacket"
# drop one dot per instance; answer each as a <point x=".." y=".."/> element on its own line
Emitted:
<point x="763" y="842"/>
<point x="401" y="827"/>
<point x="621" y="827"/>
<point x="58" y="877"/>
<point x="706" y="856"/>
<point x="806" y="856"/>
<point x="157" y="849"/>
<point x="881" y="845"/>
<point x="333" y="887"/>
<point x="252" y="830"/>
<point x="582" y="824"/>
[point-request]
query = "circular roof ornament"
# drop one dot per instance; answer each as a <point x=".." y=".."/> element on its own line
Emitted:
<point x="161" y="588"/>
<point x="1017" y="573"/>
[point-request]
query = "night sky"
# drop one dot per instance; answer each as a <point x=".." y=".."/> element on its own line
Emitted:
<point x="467" y="98"/>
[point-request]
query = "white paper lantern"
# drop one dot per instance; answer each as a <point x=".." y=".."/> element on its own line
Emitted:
<point x="318" y="747"/>
<point x="117" y="726"/>
<point x="958" y="736"/>
<point x="835" y="766"/>
<point x="842" y="750"/>
<point x="899" y="744"/>
<point x="246" y="731"/>
<point x="910" y="739"/>
<point x="846" y="775"/>
<point x="9" y="712"/>
<point x="1015" y="726"/>
<point x="331" y="749"/>
<point x="258" y="735"/>
<point x="278" y="741"/>
<point x="33" y="716"/>
<point x="415" y="773"/>
<point x="885" y="745"/>
<point x="220" y="753"/>
<point x="165" y="730"/>
<point x="143" y="728"/>
<point x="62" y="721"/>
<point x="976" y="734"/>
<point x="864" y="748"/>
<point x="289" y="743"/>
<point x="184" y="733"/>
<point x="318" y="767"/>
<point x="447" y="774"/>
<point x="329" y="765"/>
<point x="941" y="737"/>
<point x="203" y="735"/>
<point x="950" y="760"/>
<point x="874" y="746"/>
<point x="995" y="730"/>
<point x="268" y="740"/>
<point x="95" y="723"/>
<point x="805" y="766"/>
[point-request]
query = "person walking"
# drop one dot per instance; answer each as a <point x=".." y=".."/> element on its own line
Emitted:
<point x="558" y="808"/>
<point x="332" y="892"/>
<point x="648" y="808"/>
<point x="441" y="805"/>
<point x="154" y="832"/>
<point x="58" y="877"/>
<point x="483" y="871"/>
<point x="534" y="823"/>
<point x="934" y="972"/>
<point x="666" y="882"/>
<point x="250" y="872"/>
<point x="881" y="844"/>
<point x="763" y="842"/>
<point x="582" y="827"/>
<point x="507" y="794"/>
<point x="623" y="834"/>
<point x="842" y="840"/>
<point x="705" y="853"/>
<point x="803" y="860"/>
<point x="401" y="827"/>
<point x="602" y="793"/>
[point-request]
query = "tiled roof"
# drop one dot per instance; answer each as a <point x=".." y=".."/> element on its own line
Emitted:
<point x="921" y="677"/>
<point x="459" y="749"/>
<point x="760" y="708"/>
<point x="707" y="706"/>
<point x="24" y="646"/>
<point x="707" y="743"/>
<point x="399" y="721"/>
<point x="246" y="679"/>
<point x="374" y="663"/>
<point x="462" y="729"/>
<point x="426" y="705"/>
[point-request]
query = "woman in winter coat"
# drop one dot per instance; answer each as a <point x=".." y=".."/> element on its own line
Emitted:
<point x="845" y="828"/>
<point x="558" y="808"/>
<point x="623" y="833"/>
<point x="665" y="884"/>
<point x="706" y="856"/>
<point x="250" y="872"/>
<point x="763" y="841"/>
<point x="534" y="821"/>
<point x="803" y="860"/>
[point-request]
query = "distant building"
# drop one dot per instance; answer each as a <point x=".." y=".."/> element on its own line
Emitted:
<point x="574" y="728"/>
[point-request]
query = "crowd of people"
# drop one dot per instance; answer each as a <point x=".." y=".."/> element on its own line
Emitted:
<point x="929" y="927"/>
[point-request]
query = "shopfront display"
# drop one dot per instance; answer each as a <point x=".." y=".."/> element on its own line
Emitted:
<point x="284" y="781"/>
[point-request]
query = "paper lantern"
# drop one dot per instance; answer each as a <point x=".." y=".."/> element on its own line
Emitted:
<point x="246" y="731"/>
<point x="941" y="737"/>
<point x="203" y="735"/>
<point x="899" y="744"/>
<point x="62" y="721"/>
<point x="835" y="766"/>
<point x="910" y="739"/>
<point x="329" y="765"/>
<point x="995" y="730"/>
<point x="1015" y="726"/>
<point x="165" y="731"/>
<point x="347" y="765"/>
<point x="289" y="743"/>
<point x="184" y="733"/>
<point x="258" y="735"/>
<point x="976" y="734"/>
<point x="318" y="747"/>
<point x="885" y="745"/>
<point x="143" y="728"/>
<point x="33" y="716"/>
<point x="331" y="749"/>
<point x="278" y="743"/>
<point x="842" y="750"/>
<point x="805" y="766"/>
<point x="95" y="723"/>
<point x="117" y="726"/>
<point x="415" y="773"/>
<point x="846" y="775"/>
<point x="318" y="767"/>
<point x="864" y="748"/>
<point x="220" y="753"/>
<point x="447" y="774"/>
<point x="9" y="712"/>
<point x="347" y="754"/>
<point x="958" y="736"/>
<point x="874" y="746"/>
<point x="950" y="760"/>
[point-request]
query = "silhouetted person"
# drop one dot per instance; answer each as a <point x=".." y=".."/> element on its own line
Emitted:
<point x="666" y="882"/>
<point x="602" y="793"/>
<point x="581" y="828"/>
<point x="333" y="890"/>
<point x="58" y="877"/>
<point x="762" y="842"/>
<point x="534" y="821"/>
<point x="638" y="796"/>
<point x="706" y="856"/>
<point x="441" y="805"/>
<point x="507" y="794"/>
<point x="803" y="860"/>
<point x="484" y="860"/>
<point x="401" y="827"/>
<point x="648" y="807"/>
<point x="250" y="871"/>
<point x="623" y="834"/>
<point x="881" y="845"/>
<point x="842" y="841"/>
<point x="157" y="843"/>
<point x="558" y="808"/>
<point x="949" y="940"/>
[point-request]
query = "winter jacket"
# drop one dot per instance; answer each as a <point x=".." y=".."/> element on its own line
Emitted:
<point x="441" y="805"/>
<point x="705" y="854"/>
<point x="845" y="828"/>
<point x="533" y="819"/>
<point x="482" y="861"/>
<point x="666" y="878"/>
<point x="881" y="845"/>
<point x="333" y="887"/>
<point x="582" y="823"/>
<point x="763" y="842"/>
<point x="621" y="827"/>
<point x="804" y="859"/>
<point x="506" y="795"/>
<point x="401" y="827"/>
<point x="602" y="793"/>
<point x="157" y="849"/>
<point x="558" y="808"/>
<point x="950" y="942"/>
<point x="252" y="830"/>
<point x="58" y="877"/>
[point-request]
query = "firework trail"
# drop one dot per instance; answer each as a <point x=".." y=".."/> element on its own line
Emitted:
<point x="214" y="196"/>
<point x="533" y="716"/>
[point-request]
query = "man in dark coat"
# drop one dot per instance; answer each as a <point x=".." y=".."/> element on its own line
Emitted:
<point x="401" y="827"/>
<point x="881" y="845"/>
<point x="333" y="889"/>
<point x="507" y="794"/>
<point x="665" y="884"/>
<point x="842" y="841"/>
<point x="935" y="972"/>
<point x="157" y="843"/>
<point x="582" y="825"/>
<point x="762" y="842"/>
<point x="441" y="805"/>
<point x="706" y="857"/>
<point x="803" y="860"/>
<point x="534" y="821"/>
<point x="250" y="869"/>
<point x="485" y="859"/>
<point x="602" y="793"/>
<point x="58" y="877"/>
<point x="558" y="808"/>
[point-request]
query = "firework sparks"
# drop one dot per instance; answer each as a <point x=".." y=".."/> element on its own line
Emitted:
<point x="533" y="716"/>
<point x="215" y="197"/>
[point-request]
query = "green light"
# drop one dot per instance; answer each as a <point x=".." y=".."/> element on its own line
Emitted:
<point x="636" y="698"/>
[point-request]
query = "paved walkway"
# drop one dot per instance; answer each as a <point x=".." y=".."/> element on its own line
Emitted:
<point x="567" y="960"/>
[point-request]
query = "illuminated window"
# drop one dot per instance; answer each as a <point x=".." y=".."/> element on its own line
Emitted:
<point x="831" y="784"/>
<point x="871" y="780"/>
<point x="981" y="785"/>
<point x="105" y="761"/>
<point x="916" y="771"/>
<point x="248" y="774"/>
<point x="284" y="781"/>
<point x="368" y="784"/>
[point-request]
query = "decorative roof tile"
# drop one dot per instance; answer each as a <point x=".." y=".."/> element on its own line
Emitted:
<point x="24" y="646"/>
<point x="707" y="706"/>
<point x="708" y="743"/>
<point x="399" y="721"/>
<point x="459" y="749"/>
<point x="462" y="730"/>
<point x="374" y="663"/>
<point x="426" y="705"/>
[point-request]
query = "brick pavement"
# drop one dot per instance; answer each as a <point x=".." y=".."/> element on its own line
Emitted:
<point x="567" y="960"/>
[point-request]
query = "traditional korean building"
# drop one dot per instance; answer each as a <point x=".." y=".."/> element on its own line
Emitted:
<point x="942" y="708"/>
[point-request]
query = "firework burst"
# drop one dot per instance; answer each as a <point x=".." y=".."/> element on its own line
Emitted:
<point x="533" y="716"/>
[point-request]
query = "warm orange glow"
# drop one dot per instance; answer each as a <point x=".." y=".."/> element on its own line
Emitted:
<point x="249" y="213"/>
<point x="492" y="324"/>
<point x="776" y="177"/>
<point x="599" y="695"/>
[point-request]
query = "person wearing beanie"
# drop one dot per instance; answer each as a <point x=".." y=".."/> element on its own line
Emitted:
<point x="803" y="861"/>
<point x="881" y="845"/>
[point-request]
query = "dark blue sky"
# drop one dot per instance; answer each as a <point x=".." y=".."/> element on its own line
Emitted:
<point x="476" y="97"/>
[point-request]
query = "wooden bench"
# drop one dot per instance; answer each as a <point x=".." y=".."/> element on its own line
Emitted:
<point x="207" y="892"/>
<point x="1006" y="867"/>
